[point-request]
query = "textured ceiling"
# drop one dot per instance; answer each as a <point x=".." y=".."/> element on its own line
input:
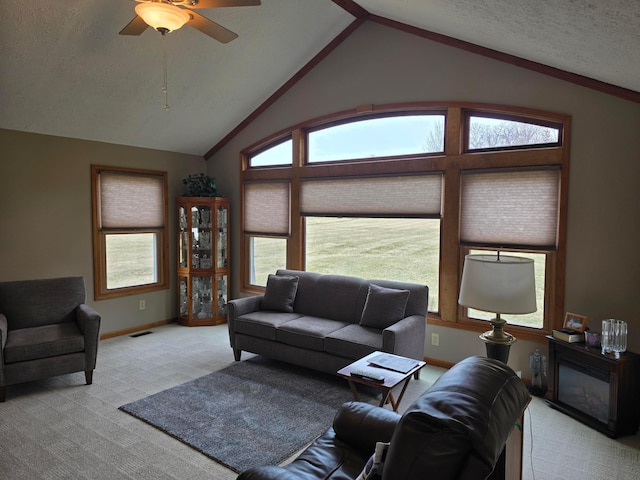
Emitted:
<point x="65" y="70"/>
<point x="599" y="39"/>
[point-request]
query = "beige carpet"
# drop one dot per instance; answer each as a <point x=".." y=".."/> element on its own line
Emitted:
<point x="62" y="429"/>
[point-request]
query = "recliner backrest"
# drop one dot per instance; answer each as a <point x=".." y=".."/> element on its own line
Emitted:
<point x="458" y="428"/>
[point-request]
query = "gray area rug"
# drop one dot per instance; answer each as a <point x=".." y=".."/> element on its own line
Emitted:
<point x="252" y="413"/>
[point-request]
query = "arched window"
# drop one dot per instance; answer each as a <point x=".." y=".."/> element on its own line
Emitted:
<point x="405" y="192"/>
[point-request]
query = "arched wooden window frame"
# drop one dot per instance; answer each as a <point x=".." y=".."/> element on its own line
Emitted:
<point x="455" y="159"/>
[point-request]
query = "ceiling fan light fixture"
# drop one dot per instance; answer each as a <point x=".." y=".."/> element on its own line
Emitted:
<point x="162" y="16"/>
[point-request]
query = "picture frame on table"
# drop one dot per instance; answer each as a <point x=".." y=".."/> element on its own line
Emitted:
<point x="574" y="322"/>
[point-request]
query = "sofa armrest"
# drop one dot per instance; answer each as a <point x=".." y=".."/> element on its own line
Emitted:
<point x="242" y="306"/>
<point x="3" y="331"/>
<point x="89" y="323"/>
<point x="238" y="307"/>
<point x="4" y="328"/>
<point x="406" y="337"/>
<point x="361" y="425"/>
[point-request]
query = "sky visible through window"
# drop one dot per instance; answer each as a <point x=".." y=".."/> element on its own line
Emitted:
<point x="281" y="154"/>
<point x="378" y="137"/>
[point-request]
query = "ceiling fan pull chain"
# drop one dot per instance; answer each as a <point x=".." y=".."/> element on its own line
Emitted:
<point x="165" y="90"/>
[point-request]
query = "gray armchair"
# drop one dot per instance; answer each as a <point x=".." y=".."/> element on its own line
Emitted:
<point x="46" y="329"/>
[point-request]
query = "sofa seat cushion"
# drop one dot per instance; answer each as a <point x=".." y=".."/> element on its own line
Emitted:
<point x="307" y="332"/>
<point x="262" y="324"/>
<point x="41" y="342"/>
<point x="353" y="341"/>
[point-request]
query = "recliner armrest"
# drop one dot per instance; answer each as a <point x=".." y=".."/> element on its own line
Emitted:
<point x="268" y="472"/>
<point x="361" y="425"/>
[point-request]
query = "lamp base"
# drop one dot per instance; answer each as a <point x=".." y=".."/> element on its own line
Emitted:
<point x="498" y="342"/>
<point x="498" y="351"/>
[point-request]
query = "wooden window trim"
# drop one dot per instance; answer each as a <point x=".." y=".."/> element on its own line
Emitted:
<point x="451" y="162"/>
<point x="101" y="292"/>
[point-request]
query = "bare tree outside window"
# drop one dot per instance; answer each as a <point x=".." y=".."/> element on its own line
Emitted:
<point x="492" y="133"/>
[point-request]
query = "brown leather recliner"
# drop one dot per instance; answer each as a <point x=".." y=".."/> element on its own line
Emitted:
<point x="455" y="430"/>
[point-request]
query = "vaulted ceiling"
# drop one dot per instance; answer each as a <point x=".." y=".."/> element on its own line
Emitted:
<point x="65" y="70"/>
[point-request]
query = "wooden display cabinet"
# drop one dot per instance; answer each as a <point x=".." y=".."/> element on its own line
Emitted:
<point x="203" y="260"/>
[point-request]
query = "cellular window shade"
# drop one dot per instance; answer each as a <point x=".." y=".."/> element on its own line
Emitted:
<point x="510" y="208"/>
<point x="415" y="195"/>
<point x="131" y="201"/>
<point x="266" y="208"/>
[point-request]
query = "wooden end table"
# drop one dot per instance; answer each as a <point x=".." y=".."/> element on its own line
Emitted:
<point x="391" y="378"/>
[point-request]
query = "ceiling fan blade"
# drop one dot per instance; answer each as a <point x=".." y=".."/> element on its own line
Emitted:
<point x="222" y="3"/>
<point x="135" y="27"/>
<point x="208" y="27"/>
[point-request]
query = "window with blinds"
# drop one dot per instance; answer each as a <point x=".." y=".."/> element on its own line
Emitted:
<point x="130" y="234"/>
<point x="131" y="201"/>
<point x="385" y="196"/>
<point x="517" y="208"/>
<point x="404" y="192"/>
<point x="266" y="208"/>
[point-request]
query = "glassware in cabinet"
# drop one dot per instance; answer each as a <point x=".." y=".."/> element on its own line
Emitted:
<point x="203" y="260"/>
<point x="222" y="240"/>
<point x="223" y="294"/>
<point x="183" y="297"/>
<point x="201" y="241"/>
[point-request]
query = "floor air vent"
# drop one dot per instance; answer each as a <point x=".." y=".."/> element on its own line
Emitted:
<point x="135" y="335"/>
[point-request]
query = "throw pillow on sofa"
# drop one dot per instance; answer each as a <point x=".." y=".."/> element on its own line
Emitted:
<point x="280" y="293"/>
<point x="383" y="307"/>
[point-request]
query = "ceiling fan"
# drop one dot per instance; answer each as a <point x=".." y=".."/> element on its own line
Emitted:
<point x="168" y="15"/>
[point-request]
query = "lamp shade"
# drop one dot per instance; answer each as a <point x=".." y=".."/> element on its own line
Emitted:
<point x="162" y="16"/>
<point x="498" y="284"/>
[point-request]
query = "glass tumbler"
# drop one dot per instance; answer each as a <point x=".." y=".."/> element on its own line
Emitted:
<point x="607" y="336"/>
<point x="619" y="344"/>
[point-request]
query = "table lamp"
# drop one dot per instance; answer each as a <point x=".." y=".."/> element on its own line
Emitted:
<point x="498" y="284"/>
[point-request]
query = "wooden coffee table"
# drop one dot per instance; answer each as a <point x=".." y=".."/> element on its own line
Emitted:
<point x="391" y="378"/>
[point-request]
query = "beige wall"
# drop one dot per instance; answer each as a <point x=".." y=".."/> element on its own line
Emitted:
<point x="379" y="65"/>
<point x="45" y="215"/>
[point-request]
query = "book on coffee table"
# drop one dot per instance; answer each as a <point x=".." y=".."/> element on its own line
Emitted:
<point x="394" y="362"/>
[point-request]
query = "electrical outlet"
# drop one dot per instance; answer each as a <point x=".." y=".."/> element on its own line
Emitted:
<point x="435" y="339"/>
<point x="142" y="305"/>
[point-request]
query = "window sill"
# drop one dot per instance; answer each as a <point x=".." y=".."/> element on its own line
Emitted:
<point x="521" y="333"/>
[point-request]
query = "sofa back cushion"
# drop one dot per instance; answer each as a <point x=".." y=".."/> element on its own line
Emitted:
<point x="334" y="297"/>
<point x="342" y="297"/>
<point x="34" y="303"/>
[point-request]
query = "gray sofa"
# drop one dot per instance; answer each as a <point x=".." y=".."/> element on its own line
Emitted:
<point x="325" y="322"/>
<point x="46" y="329"/>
